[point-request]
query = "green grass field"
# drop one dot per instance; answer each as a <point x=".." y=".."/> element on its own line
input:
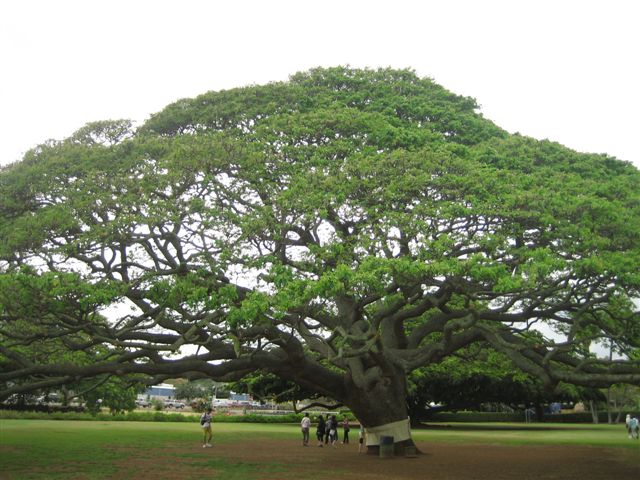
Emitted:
<point x="74" y="449"/>
<point x="606" y="436"/>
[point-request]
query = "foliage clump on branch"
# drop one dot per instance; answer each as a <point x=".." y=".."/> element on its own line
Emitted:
<point x="338" y="230"/>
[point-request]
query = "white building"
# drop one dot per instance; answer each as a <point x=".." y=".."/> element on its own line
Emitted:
<point x="163" y="391"/>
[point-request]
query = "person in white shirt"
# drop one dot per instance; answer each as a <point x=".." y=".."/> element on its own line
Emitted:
<point x="305" y="425"/>
<point x="205" y="422"/>
<point x="361" y="438"/>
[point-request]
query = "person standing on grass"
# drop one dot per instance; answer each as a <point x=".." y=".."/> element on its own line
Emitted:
<point x="361" y="437"/>
<point x="333" y="431"/>
<point x="345" y="430"/>
<point x="327" y="429"/>
<point x="205" y="421"/>
<point x="634" y="428"/>
<point x="305" y="424"/>
<point x="320" y="430"/>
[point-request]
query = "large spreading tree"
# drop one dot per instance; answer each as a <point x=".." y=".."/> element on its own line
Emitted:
<point x="338" y="230"/>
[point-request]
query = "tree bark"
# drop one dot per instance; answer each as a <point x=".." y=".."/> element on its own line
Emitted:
<point x="594" y="411"/>
<point x="382" y="410"/>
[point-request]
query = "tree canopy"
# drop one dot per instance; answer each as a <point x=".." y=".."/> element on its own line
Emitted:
<point x="338" y="230"/>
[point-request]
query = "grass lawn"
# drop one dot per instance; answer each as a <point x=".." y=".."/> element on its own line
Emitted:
<point x="87" y="449"/>
<point x="602" y="435"/>
<point x="94" y="449"/>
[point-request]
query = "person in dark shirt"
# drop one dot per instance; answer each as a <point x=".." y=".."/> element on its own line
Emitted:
<point x="333" y="430"/>
<point x="345" y="430"/>
<point x="327" y="429"/>
<point x="320" y="430"/>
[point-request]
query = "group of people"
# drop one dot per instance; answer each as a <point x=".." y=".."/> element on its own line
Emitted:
<point x="633" y="427"/>
<point x="327" y="431"/>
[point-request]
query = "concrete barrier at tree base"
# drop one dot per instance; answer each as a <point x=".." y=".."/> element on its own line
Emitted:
<point x="386" y="446"/>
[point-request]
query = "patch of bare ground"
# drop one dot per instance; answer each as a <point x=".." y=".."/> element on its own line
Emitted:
<point x="277" y="460"/>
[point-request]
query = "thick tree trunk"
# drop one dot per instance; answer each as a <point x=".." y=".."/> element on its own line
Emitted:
<point x="396" y="430"/>
<point x="382" y="410"/>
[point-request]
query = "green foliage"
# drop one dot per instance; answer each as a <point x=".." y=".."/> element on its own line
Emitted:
<point x="115" y="393"/>
<point x="157" y="416"/>
<point x="339" y="231"/>
<point x="265" y="386"/>
<point x="509" y="417"/>
<point x="192" y="390"/>
<point x="478" y="417"/>
<point x="481" y="375"/>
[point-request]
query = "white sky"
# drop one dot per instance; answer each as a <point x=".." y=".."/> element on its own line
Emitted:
<point x="559" y="69"/>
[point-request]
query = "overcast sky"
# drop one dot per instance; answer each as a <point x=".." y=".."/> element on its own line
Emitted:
<point x="564" y="70"/>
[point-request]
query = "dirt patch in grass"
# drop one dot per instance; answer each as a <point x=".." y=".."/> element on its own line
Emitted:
<point x="277" y="460"/>
<point x="8" y="450"/>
